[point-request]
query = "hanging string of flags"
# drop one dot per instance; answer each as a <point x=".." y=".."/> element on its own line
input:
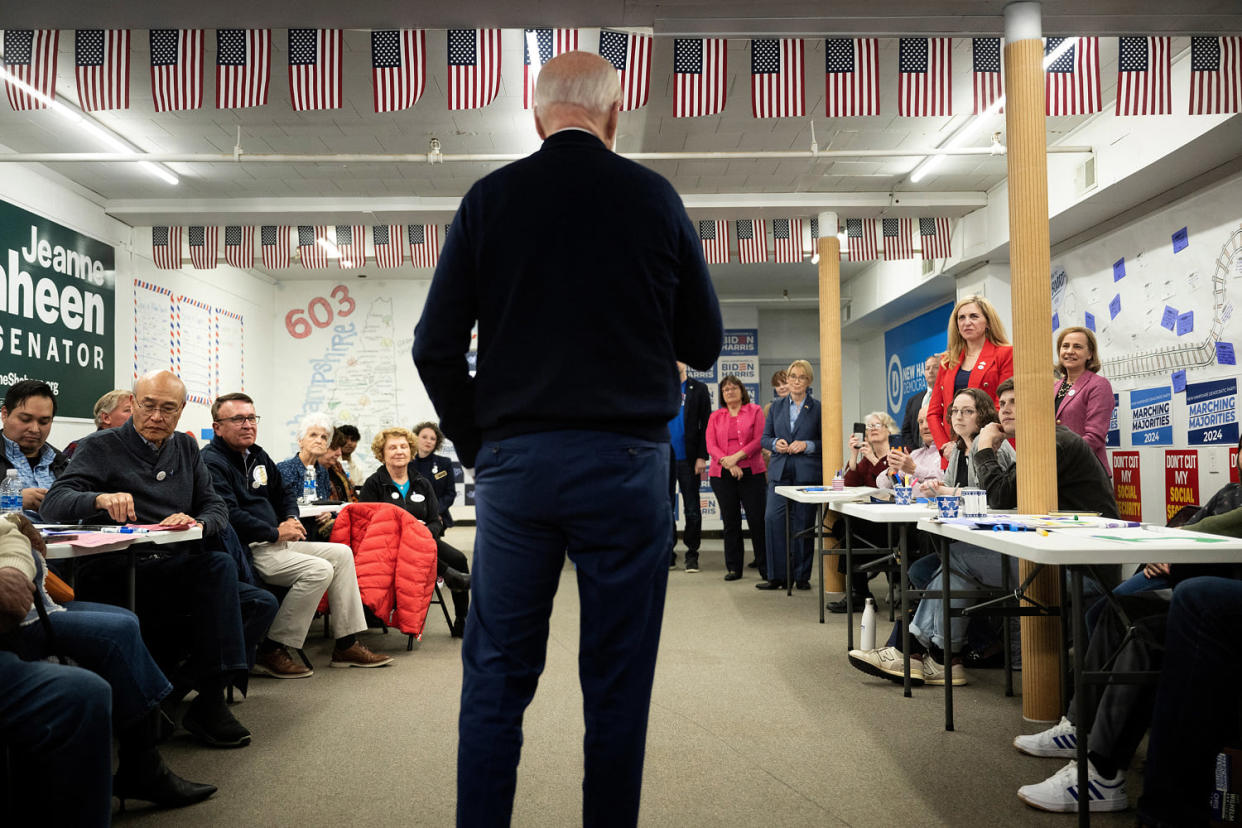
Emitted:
<point x="777" y="67"/>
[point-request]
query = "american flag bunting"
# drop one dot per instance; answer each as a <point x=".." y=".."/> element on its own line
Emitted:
<point x="101" y="66"/>
<point x="934" y="235"/>
<point x="630" y="54"/>
<point x="549" y="44"/>
<point x="925" y="77"/>
<point x="860" y="234"/>
<point x="714" y="236"/>
<point x="852" y="66"/>
<point x="987" y="76"/>
<point x="274" y="244"/>
<point x="351" y="243"/>
<point x="1072" y="81"/>
<point x="239" y="245"/>
<point x="699" y="79"/>
<point x="752" y="241"/>
<point x="787" y="240"/>
<point x="243" y="66"/>
<point x="1144" y="66"/>
<point x="30" y="57"/>
<point x="386" y="242"/>
<point x="1215" y="77"/>
<point x="176" y="69"/>
<point x="424" y="244"/>
<point x="777" y="78"/>
<point x="897" y="242"/>
<point x="315" y="68"/>
<point x="473" y="67"/>
<point x="204" y="242"/>
<point x="166" y="247"/>
<point x="311" y="253"/>
<point x="398" y="68"/>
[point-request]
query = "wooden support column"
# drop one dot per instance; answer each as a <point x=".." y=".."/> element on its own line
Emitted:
<point x="1032" y="327"/>
<point x="829" y="379"/>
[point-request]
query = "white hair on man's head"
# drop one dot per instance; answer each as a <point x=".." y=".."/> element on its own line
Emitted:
<point x="578" y="81"/>
<point x="154" y="376"/>
<point x="315" y="419"/>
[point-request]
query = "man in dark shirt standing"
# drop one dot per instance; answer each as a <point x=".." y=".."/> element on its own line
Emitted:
<point x="688" y="433"/>
<point x="587" y="282"/>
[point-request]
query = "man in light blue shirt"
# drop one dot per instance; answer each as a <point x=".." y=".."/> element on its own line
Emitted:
<point x="27" y="413"/>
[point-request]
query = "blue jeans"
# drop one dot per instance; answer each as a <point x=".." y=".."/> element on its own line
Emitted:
<point x="970" y="567"/>
<point x="603" y="498"/>
<point x="55" y="720"/>
<point x="1196" y="710"/>
<point x="801" y="516"/>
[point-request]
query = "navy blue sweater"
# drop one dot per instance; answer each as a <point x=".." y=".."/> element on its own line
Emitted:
<point x="252" y="490"/>
<point x="588" y="283"/>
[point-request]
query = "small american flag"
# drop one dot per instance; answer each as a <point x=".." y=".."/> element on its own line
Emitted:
<point x="424" y="244"/>
<point x="815" y="228"/>
<point x="312" y="254"/>
<point x="699" y="86"/>
<point x="243" y="64"/>
<point x="315" y="68"/>
<point x="166" y="247"/>
<point x="934" y="234"/>
<point x="101" y="60"/>
<point x="274" y="243"/>
<point x="473" y="67"/>
<point x="1072" y="81"/>
<point x="988" y="78"/>
<point x="630" y="53"/>
<point x="777" y="78"/>
<point x="714" y="236"/>
<point x="752" y="241"/>
<point x="204" y="242"/>
<point x="1215" y="77"/>
<point x="1144" y="65"/>
<point x="386" y="240"/>
<point x="398" y="68"/>
<point x="925" y="77"/>
<point x="787" y="240"/>
<point x="897" y="242"/>
<point x="853" y="71"/>
<point x="30" y="57"/>
<point x="176" y="69"/>
<point x="861" y="236"/>
<point x="239" y="245"/>
<point x="550" y="43"/>
<point x="351" y="242"/>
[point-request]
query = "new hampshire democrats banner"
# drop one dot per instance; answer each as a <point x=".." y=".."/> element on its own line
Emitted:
<point x="906" y="348"/>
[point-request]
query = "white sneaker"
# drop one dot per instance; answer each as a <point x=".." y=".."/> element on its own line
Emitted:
<point x="1059" y="740"/>
<point x="1059" y="792"/>
<point x="933" y="672"/>
<point x="887" y="662"/>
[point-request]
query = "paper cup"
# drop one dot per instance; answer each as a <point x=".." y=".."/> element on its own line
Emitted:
<point x="974" y="503"/>
<point x="903" y="495"/>
<point x="947" y="505"/>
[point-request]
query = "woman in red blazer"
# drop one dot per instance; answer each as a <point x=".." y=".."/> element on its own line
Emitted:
<point x="1084" y="399"/>
<point x="738" y="472"/>
<point x="979" y="356"/>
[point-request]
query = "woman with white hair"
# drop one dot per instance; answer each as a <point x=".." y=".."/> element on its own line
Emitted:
<point x="314" y="434"/>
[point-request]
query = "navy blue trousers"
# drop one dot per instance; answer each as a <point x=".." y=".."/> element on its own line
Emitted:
<point x="802" y="516"/>
<point x="603" y="499"/>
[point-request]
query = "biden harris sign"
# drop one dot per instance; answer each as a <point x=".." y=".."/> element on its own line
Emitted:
<point x="906" y="348"/>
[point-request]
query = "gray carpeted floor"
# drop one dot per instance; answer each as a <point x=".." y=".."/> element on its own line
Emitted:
<point x="757" y="719"/>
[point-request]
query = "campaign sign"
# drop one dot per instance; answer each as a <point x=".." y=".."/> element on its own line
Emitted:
<point x="906" y="348"/>
<point x="708" y="376"/>
<point x="1151" y="417"/>
<point x="1113" y="438"/>
<point x="1127" y="486"/>
<point x="1233" y="465"/>
<point x="740" y="342"/>
<point x="1181" y="480"/>
<point x="1213" y="409"/>
<point x="744" y="368"/>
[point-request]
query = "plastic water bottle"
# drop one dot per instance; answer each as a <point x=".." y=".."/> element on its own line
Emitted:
<point x="310" y="492"/>
<point x="866" y="633"/>
<point x="10" y="493"/>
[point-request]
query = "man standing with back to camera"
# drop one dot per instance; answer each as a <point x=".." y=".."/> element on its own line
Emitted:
<point x="588" y="283"/>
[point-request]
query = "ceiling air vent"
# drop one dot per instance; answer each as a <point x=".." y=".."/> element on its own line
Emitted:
<point x="1084" y="177"/>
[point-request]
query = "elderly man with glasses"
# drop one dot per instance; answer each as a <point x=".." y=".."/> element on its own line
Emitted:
<point x="187" y="596"/>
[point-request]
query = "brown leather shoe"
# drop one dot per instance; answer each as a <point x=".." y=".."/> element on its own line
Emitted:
<point x="278" y="663"/>
<point x="358" y="656"/>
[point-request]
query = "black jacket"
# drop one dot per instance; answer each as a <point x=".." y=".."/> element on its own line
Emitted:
<point x="910" y="425"/>
<point x="697" y="408"/>
<point x="419" y="502"/>
<point x="437" y="470"/>
<point x="251" y="489"/>
<point x="1082" y="484"/>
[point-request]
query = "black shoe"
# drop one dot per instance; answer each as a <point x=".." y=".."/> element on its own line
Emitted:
<point x="692" y="563"/>
<point x="672" y="560"/>
<point x="803" y="585"/>
<point x="214" y="724"/>
<point x="459" y="627"/>
<point x="153" y="781"/>
<point x="733" y="576"/>
<point x="839" y="606"/>
<point x="752" y="565"/>
<point x="773" y="585"/>
<point x="456" y="581"/>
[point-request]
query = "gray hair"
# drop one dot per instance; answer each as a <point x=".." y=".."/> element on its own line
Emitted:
<point x="595" y="89"/>
<point x="315" y="418"/>
<point x="108" y="403"/>
<point x="885" y="419"/>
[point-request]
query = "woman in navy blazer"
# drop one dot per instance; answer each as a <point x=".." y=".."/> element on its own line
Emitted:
<point x="795" y="462"/>
<point x="1084" y="399"/>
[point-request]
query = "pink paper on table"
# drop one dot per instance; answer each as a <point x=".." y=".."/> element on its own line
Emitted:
<point x="90" y="540"/>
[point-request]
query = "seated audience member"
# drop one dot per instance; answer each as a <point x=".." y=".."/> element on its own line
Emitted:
<point x="397" y="482"/>
<point x="1084" y="399"/>
<point x="339" y="485"/>
<point x="27" y="413"/>
<point x="922" y="465"/>
<point x="436" y="469"/>
<point x="971" y="412"/>
<point x="188" y="596"/>
<point x="351" y="466"/>
<point x="265" y="516"/>
<point x="314" y="434"/>
<point x="737" y="471"/>
<point x="106" y="641"/>
<point x="112" y="410"/>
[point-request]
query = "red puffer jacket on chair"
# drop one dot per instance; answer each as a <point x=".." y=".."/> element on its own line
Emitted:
<point x="395" y="557"/>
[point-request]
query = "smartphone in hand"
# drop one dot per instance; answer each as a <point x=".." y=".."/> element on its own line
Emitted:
<point x="860" y="432"/>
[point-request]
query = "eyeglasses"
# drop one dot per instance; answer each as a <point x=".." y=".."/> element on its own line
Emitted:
<point x="165" y="410"/>
<point x="965" y="412"/>
<point x="241" y="418"/>
<point x="797" y="377"/>
<point x="874" y="426"/>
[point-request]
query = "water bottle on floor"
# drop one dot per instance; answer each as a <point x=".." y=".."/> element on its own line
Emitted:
<point x="866" y="634"/>
<point x="10" y="493"/>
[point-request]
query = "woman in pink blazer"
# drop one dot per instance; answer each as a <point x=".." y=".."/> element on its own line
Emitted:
<point x="979" y="356"/>
<point x="1084" y="399"/>
<point x="738" y="473"/>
